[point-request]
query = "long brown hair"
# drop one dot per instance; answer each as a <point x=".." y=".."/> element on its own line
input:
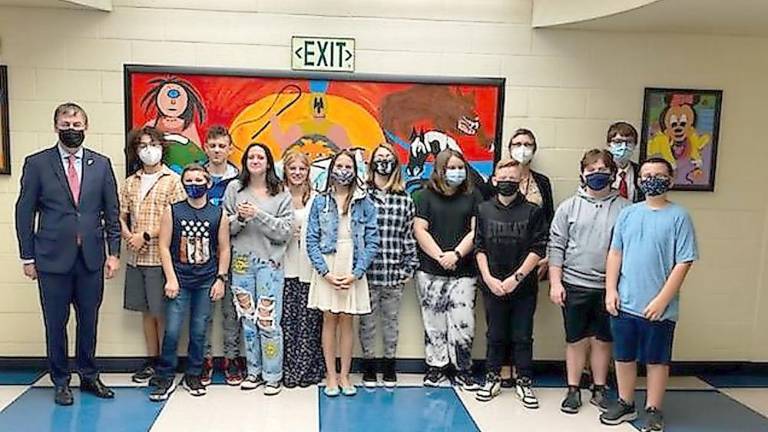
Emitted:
<point x="352" y="187"/>
<point x="290" y="157"/>
<point x="437" y="178"/>
<point x="274" y="184"/>
<point x="395" y="183"/>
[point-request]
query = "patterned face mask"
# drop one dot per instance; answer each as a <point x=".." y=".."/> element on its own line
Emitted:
<point x="343" y="176"/>
<point x="655" y="185"/>
<point x="384" y="167"/>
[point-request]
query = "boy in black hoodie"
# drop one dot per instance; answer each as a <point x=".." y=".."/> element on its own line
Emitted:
<point x="510" y="240"/>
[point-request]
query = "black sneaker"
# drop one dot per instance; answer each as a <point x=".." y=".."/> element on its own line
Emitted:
<point x="143" y="375"/>
<point x="572" y="401"/>
<point x="466" y="382"/>
<point x="434" y="377"/>
<point x="508" y="382"/>
<point x="525" y="393"/>
<point x="388" y="374"/>
<point x="654" y="420"/>
<point x="369" y="373"/>
<point x="599" y="398"/>
<point x="491" y="389"/>
<point x="619" y="413"/>
<point x="163" y="389"/>
<point x="193" y="385"/>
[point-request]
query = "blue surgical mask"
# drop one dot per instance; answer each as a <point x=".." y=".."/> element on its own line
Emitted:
<point x="597" y="181"/>
<point x="621" y="152"/>
<point x="195" y="191"/>
<point x="655" y="185"/>
<point x="455" y="177"/>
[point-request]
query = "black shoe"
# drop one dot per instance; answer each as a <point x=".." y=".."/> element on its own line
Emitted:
<point x="389" y="376"/>
<point x="508" y="382"/>
<point x="193" y="384"/>
<point x="599" y="398"/>
<point x="369" y="373"/>
<point x="572" y="401"/>
<point x="163" y="389"/>
<point x="619" y="413"/>
<point x="64" y="396"/>
<point x="654" y="420"/>
<point x="434" y="377"/>
<point x="96" y="388"/>
<point x="466" y="382"/>
<point x="144" y="374"/>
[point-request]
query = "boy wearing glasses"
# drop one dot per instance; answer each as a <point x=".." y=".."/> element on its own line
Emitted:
<point x="621" y="142"/>
<point x="652" y="250"/>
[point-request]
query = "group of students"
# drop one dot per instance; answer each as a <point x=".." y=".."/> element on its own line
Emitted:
<point x="303" y="264"/>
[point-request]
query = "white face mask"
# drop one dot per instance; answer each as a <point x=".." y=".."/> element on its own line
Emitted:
<point x="522" y="154"/>
<point x="151" y="155"/>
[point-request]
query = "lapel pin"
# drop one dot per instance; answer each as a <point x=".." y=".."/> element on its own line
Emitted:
<point x="90" y="162"/>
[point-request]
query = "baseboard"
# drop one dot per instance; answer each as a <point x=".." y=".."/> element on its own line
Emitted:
<point x="412" y="365"/>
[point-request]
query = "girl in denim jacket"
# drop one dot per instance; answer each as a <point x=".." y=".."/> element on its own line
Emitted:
<point x="342" y="240"/>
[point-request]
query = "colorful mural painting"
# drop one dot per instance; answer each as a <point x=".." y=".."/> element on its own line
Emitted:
<point x="319" y="114"/>
<point x="682" y="126"/>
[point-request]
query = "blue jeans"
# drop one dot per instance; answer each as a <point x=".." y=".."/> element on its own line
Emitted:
<point x="198" y="303"/>
<point x="257" y="286"/>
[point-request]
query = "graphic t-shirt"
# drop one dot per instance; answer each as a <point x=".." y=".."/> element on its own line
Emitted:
<point x="194" y="243"/>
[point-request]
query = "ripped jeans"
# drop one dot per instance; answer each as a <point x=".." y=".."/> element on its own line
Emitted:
<point x="257" y="288"/>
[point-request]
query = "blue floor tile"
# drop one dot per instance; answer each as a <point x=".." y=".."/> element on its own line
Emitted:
<point x="20" y="376"/>
<point x="705" y="411"/>
<point x="403" y="409"/>
<point x="739" y="380"/>
<point x="35" y="411"/>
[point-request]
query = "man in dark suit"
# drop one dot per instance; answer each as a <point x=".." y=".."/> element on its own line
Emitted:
<point x="72" y="193"/>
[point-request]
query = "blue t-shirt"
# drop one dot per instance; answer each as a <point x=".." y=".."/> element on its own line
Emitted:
<point x="651" y="242"/>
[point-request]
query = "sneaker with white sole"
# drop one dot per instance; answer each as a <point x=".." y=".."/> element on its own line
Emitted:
<point x="272" y="388"/>
<point x="525" y="393"/>
<point x="619" y="413"/>
<point x="599" y="398"/>
<point x="572" y="402"/>
<point x="252" y="382"/>
<point x="491" y="389"/>
<point x="434" y="377"/>
<point x="654" y="420"/>
<point x="163" y="389"/>
<point x="369" y="373"/>
<point x="466" y="382"/>
<point x="193" y="385"/>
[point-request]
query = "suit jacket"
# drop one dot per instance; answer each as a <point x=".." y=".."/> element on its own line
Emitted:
<point x="45" y="195"/>
<point x="638" y="195"/>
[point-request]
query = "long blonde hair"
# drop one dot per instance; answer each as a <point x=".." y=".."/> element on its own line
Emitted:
<point x="395" y="183"/>
<point x="297" y="156"/>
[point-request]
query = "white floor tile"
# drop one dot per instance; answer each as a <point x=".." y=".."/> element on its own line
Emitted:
<point x="754" y="398"/>
<point x="506" y="413"/>
<point x="9" y="393"/>
<point x="227" y="408"/>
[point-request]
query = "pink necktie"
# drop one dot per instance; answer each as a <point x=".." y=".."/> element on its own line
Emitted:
<point x="74" y="181"/>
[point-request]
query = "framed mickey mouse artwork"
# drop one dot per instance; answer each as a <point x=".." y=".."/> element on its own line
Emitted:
<point x="682" y="126"/>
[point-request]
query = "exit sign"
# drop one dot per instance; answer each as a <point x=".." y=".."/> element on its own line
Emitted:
<point x="323" y="54"/>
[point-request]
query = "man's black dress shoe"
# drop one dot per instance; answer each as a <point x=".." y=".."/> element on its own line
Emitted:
<point x="97" y="388"/>
<point x="64" y="396"/>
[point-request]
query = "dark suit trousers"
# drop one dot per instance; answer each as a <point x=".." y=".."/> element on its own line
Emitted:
<point x="84" y="289"/>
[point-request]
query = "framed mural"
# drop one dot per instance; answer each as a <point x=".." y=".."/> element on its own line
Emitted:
<point x="5" y="139"/>
<point x="682" y="126"/>
<point x="318" y="114"/>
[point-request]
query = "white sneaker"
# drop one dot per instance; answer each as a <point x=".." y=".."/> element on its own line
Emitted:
<point x="252" y="382"/>
<point x="272" y="388"/>
<point x="525" y="393"/>
<point x="491" y="389"/>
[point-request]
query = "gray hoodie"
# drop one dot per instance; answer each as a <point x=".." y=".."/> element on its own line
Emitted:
<point x="580" y="236"/>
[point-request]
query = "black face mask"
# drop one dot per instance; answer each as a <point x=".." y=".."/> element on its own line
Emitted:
<point x="507" y="187"/>
<point x="384" y="167"/>
<point x="71" y="138"/>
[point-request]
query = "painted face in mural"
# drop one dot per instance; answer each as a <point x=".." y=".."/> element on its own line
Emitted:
<point x="297" y="173"/>
<point x="468" y="125"/>
<point x="172" y="100"/>
<point x="257" y="161"/>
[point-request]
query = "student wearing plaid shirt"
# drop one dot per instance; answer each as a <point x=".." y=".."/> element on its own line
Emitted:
<point x="144" y="197"/>
<point x="394" y="264"/>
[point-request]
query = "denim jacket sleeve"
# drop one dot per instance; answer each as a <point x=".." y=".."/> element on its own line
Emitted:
<point x="370" y="239"/>
<point x="313" y="237"/>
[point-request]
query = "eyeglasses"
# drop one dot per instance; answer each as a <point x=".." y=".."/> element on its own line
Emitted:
<point x="628" y="143"/>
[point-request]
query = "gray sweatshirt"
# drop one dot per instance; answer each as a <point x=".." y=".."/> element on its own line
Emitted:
<point x="265" y="236"/>
<point x="580" y="236"/>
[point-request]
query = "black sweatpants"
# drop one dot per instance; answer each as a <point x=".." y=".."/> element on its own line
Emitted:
<point x="510" y="328"/>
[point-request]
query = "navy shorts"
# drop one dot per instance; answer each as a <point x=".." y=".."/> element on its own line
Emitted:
<point x="636" y="339"/>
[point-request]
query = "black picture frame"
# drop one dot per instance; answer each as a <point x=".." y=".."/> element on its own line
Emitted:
<point x="692" y="148"/>
<point x="5" y="135"/>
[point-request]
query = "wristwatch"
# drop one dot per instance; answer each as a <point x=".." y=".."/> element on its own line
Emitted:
<point x="146" y="236"/>
<point x="223" y="277"/>
<point x="519" y="276"/>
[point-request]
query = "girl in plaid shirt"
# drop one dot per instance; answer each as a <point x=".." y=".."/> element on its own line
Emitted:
<point x="394" y="264"/>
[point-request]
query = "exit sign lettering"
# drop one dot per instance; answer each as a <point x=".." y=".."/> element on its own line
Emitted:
<point x="323" y="54"/>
